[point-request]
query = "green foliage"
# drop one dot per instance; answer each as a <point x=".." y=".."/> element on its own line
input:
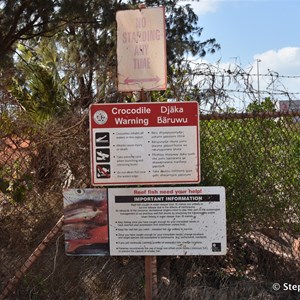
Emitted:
<point x="18" y="193"/>
<point x="82" y="48"/>
<point x="266" y="105"/>
<point x="4" y="185"/>
<point x="183" y="35"/>
<point x="24" y="20"/>
<point x="38" y="86"/>
<point x="14" y="187"/>
<point x="250" y="158"/>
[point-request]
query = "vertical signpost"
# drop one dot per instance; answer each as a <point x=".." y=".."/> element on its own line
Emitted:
<point x="146" y="144"/>
<point x="141" y="52"/>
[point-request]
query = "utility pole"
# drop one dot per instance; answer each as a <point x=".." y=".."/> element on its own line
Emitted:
<point x="258" y="91"/>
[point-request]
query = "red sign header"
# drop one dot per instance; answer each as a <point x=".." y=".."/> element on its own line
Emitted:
<point x="144" y="114"/>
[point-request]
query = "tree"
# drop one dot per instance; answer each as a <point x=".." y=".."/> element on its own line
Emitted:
<point x="183" y="36"/>
<point x="39" y="88"/>
<point x="60" y="55"/>
<point x="85" y="40"/>
<point x="24" y="20"/>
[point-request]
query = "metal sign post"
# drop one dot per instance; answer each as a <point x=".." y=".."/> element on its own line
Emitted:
<point x="151" y="287"/>
<point x="141" y="52"/>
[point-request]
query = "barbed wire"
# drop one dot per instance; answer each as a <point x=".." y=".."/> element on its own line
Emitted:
<point x="220" y="88"/>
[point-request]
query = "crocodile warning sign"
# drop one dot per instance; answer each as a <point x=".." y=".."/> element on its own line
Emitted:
<point x="145" y="143"/>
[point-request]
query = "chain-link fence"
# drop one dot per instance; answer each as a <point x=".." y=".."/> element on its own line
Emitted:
<point x="256" y="157"/>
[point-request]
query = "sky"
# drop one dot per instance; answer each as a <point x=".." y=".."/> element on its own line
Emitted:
<point x="254" y="33"/>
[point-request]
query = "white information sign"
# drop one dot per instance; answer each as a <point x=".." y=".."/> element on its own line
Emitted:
<point x="145" y="143"/>
<point x="167" y="221"/>
<point x="141" y="49"/>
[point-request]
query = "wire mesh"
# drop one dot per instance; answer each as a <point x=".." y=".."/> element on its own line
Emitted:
<point x="255" y="157"/>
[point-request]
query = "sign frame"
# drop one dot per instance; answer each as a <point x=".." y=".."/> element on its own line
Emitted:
<point x="143" y="221"/>
<point x="145" y="143"/>
<point x="141" y="49"/>
<point x="167" y="221"/>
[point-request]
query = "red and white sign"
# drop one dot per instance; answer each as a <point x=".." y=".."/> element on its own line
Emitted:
<point x="145" y="143"/>
<point x="141" y="49"/>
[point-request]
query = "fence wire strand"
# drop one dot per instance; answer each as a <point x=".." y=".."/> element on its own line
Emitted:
<point x="256" y="156"/>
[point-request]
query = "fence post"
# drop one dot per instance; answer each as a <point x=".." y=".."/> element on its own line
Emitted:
<point x="13" y="282"/>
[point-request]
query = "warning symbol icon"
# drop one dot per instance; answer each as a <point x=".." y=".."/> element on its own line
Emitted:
<point x="216" y="247"/>
<point x="103" y="171"/>
<point x="102" y="139"/>
<point x="102" y="155"/>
